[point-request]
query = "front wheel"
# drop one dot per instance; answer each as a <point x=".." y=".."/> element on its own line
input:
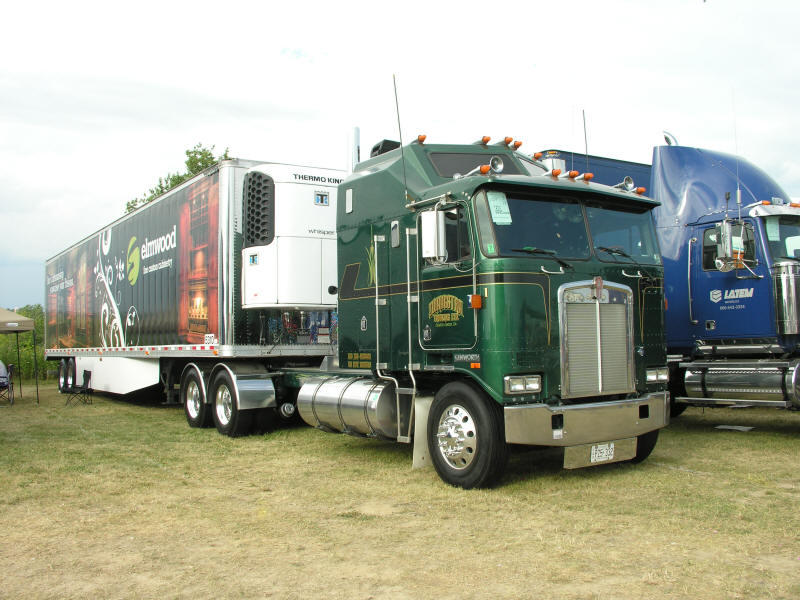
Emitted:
<point x="228" y="418"/>
<point x="466" y="438"/>
<point x="198" y="413"/>
<point x="644" y="445"/>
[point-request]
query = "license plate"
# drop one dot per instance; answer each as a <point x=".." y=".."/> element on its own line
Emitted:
<point x="602" y="453"/>
<point x="589" y="455"/>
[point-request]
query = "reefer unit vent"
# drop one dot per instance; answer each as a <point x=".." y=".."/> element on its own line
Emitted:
<point x="259" y="209"/>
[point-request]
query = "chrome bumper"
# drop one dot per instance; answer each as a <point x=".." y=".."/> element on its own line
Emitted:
<point x="543" y="425"/>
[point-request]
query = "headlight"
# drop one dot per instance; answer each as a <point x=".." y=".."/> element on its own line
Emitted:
<point x="522" y="384"/>
<point x="659" y="375"/>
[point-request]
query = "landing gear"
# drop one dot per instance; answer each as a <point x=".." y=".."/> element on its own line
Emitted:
<point x="465" y="437"/>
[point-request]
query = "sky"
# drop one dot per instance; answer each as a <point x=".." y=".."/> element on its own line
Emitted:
<point x="100" y="99"/>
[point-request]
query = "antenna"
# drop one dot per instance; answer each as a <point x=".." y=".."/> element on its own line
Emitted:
<point x="400" y="133"/>
<point x="585" y="141"/>
<point x="736" y="150"/>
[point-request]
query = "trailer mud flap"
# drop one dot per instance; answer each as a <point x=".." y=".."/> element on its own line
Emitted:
<point x="589" y="455"/>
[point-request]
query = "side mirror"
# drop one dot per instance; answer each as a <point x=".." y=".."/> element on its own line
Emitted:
<point x="731" y="236"/>
<point x="432" y="236"/>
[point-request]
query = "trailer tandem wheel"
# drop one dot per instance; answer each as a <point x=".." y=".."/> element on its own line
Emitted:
<point x="62" y="376"/>
<point x="228" y="418"/>
<point x="198" y="413"/>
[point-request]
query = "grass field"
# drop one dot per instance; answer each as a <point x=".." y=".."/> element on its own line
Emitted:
<point x="117" y="499"/>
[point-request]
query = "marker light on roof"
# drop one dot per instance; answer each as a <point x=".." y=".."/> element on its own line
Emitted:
<point x="641" y="190"/>
<point x="537" y="155"/>
<point x="484" y="140"/>
<point x="766" y="202"/>
<point x="585" y="177"/>
<point x="554" y="173"/>
<point x="421" y="139"/>
<point x="517" y="144"/>
<point x="794" y="204"/>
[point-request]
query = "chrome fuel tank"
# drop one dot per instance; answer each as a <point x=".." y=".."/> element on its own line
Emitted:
<point x="352" y="405"/>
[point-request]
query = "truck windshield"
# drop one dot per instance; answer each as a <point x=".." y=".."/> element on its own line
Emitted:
<point x="783" y="236"/>
<point x="555" y="225"/>
<point x="543" y="225"/>
<point x="622" y="235"/>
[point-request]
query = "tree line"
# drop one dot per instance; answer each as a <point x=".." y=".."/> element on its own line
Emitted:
<point x="198" y="159"/>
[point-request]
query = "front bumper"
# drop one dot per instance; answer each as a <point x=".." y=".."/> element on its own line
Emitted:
<point x="543" y="425"/>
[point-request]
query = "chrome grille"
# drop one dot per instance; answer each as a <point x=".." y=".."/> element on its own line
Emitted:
<point x="596" y="340"/>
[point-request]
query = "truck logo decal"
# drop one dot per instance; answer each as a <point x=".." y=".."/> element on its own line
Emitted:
<point x="445" y="310"/>
<point x="736" y="294"/>
<point x="134" y="260"/>
<point x="168" y="241"/>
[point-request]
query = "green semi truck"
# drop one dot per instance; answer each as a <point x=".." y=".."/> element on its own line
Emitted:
<point x="460" y="298"/>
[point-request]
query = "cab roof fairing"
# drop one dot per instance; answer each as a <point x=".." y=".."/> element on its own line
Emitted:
<point x="423" y="182"/>
<point x="691" y="184"/>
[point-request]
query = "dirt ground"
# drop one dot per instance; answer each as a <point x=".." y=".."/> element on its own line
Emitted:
<point x="124" y="500"/>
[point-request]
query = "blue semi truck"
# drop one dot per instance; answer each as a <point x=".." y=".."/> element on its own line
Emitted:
<point x="730" y="242"/>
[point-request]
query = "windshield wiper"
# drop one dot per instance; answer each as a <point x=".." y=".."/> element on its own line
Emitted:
<point x="614" y="250"/>
<point x="617" y="251"/>
<point x="544" y="252"/>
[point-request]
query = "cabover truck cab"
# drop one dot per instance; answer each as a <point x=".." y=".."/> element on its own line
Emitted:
<point x="730" y="239"/>
<point x="485" y="301"/>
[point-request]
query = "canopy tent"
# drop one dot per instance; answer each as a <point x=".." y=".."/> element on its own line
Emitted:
<point x="11" y="322"/>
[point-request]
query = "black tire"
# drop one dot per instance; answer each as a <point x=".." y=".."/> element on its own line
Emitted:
<point x="676" y="388"/>
<point x="228" y="419"/>
<point x="675" y="409"/>
<point x="62" y="376"/>
<point x="198" y="413"/>
<point x="466" y="437"/>
<point x="644" y="445"/>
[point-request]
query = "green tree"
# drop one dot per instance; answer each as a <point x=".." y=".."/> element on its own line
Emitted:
<point x="198" y="159"/>
<point x="8" y="344"/>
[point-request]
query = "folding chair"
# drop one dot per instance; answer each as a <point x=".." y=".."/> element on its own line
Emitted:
<point x="81" y="393"/>
<point x="7" y="383"/>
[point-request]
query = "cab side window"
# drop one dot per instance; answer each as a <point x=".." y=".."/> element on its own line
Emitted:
<point x="457" y="235"/>
<point x="710" y="243"/>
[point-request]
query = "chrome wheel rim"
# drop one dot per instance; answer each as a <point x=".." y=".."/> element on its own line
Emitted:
<point x="193" y="399"/>
<point x="457" y="437"/>
<point x="224" y="404"/>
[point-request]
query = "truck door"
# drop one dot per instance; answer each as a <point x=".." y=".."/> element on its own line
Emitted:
<point x="445" y="318"/>
<point x="730" y="290"/>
